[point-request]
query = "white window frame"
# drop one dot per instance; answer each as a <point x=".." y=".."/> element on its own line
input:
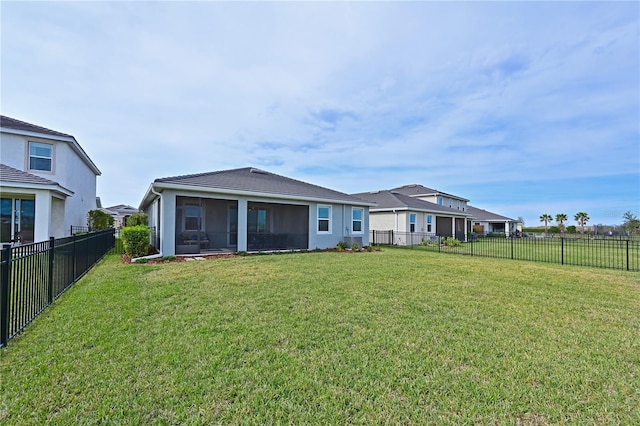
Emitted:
<point x="429" y="220"/>
<point x="29" y="156"/>
<point x="450" y="203"/>
<point x="354" y="220"/>
<point x="328" y="219"/>
<point x="440" y="201"/>
<point x="412" y="221"/>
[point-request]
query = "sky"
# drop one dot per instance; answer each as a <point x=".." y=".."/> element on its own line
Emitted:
<point x="524" y="108"/>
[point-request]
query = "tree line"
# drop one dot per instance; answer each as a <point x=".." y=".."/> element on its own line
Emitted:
<point x="631" y="223"/>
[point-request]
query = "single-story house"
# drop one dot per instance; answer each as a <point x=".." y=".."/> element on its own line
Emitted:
<point x="486" y="222"/>
<point x="250" y="209"/>
<point x="411" y="218"/>
<point x="47" y="183"/>
<point x="120" y="213"/>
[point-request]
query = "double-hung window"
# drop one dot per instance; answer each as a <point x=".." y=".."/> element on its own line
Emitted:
<point x="356" y="220"/>
<point x="429" y="219"/>
<point x="40" y="156"/>
<point x="450" y="203"/>
<point x="412" y="222"/>
<point x="324" y="219"/>
<point x="439" y="201"/>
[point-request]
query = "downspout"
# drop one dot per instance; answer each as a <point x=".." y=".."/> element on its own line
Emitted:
<point x="154" y="256"/>
<point x="159" y="216"/>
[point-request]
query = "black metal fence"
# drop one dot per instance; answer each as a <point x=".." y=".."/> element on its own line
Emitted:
<point x="118" y="247"/>
<point x="598" y="252"/>
<point x="33" y="275"/>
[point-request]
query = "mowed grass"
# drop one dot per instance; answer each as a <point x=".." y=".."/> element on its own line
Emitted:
<point x="391" y="337"/>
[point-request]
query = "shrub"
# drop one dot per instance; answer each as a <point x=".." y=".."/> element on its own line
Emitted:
<point x="135" y="240"/>
<point x="98" y="220"/>
<point x="341" y="245"/>
<point x="355" y="247"/>
<point x="451" y="242"/>
<point x="138" y="219"/>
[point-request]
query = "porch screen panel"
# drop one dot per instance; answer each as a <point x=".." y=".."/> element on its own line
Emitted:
<point x="443" y="226"/>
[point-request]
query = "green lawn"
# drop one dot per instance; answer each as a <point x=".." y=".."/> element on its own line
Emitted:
<point x="600" y="253"/>
<point x="393" y="337"/>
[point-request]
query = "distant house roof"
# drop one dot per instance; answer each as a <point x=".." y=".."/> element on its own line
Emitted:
<point x="11" y="177"/>
<point x="416" y="190"/>
<point x="250" y="180"/>
<point x="12" y="125"/>
<point x="487" y="216"/>
<point x="388" y="200"/>
<point x="121" y="210"/>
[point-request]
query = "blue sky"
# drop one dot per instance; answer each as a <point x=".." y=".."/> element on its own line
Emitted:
<point x="524" y="108"/>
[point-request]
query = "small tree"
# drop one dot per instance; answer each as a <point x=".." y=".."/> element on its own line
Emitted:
<point x="546" y="218"/>
<point x="98" y="220"/>
<point x="138" y="219"/>
<point x="631" y="223"/>
<point x="582" y="218"/>
<point x="560" y="218"/>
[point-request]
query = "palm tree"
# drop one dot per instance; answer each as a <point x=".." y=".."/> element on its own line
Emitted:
<point x="546" y="218"/>
<point x="560" y="218"/>
<point x="582" y="218"/>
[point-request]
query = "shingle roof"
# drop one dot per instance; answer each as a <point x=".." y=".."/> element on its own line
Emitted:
<point x="415" y="190"/>
<point x="389" y="200"/>
<point x="485" y="215"/>
<point x="12" y="123"/>
<point x="255" y="180"/>
<point x="9" y="174"/>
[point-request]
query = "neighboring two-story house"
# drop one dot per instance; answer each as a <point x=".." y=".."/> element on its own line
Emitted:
<point x="47" y="182"/>
<point x="422" y="211"/>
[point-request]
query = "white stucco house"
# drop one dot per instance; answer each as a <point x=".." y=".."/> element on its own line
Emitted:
<point x="486" y="222"/>
<point x="417" y="209"/>
<point x="47" y="182"/>
<point x="412" y="219"/>
<point x="250" y="209"/>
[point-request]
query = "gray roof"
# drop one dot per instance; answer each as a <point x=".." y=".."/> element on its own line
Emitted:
<point x="250" y="179"/>
<point x="488" y="216"/>
<point x="416" y="190"/>
<point x="9" y="174"/>
<point x="392" y="200"/>
<point x="12" y="123"/>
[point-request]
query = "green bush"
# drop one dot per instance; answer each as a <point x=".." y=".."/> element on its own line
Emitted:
<point x="355" y="247"/>
<point x="341" y="246"/>
<point x="97" y="220"/>
<point x="135" y="240"/>
<point x="451" y="242"/>
<point x="138" y="219"/>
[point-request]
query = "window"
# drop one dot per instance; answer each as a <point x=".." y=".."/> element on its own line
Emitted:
<point x="356" y="220"/>
<point x="429" y="220"/>
<point x="324" y="219"/>
<point x="257" y="220"/>
<point x="40" y="156"/>
<point x="450" y="203"/>
<point x="412" y="222"/>
<point x="458" y="204"/>
<point x="439" y="201"/>
<point x="192" y="218"/>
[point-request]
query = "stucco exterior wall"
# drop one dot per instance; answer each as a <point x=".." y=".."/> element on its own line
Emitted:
<point x="340" y="219"/>
<point x="69" y="170"/>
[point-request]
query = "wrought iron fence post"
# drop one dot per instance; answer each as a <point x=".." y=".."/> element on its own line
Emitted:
<point x="4" y="294"/>
<point x="52" y="243"/>
<point x="562" y="250"/>
<point x="627" y="254"/>
<point x="511" y="248"/>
